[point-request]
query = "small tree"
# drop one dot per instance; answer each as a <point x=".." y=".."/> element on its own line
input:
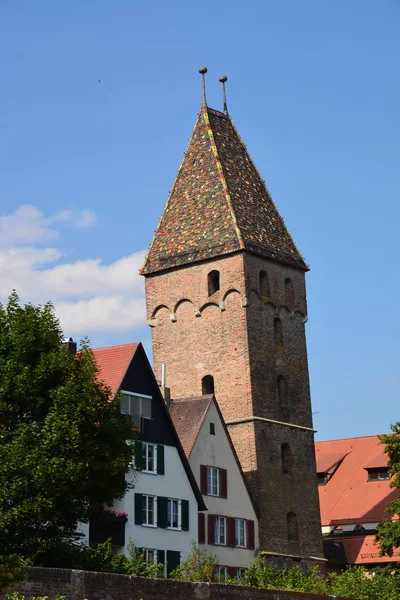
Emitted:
<point x="64" y="451"/>
<point x="199" y="566"/>
<point x="388" y="535"/>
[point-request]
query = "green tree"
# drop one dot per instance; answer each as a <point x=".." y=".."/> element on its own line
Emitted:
<point x="64" y="449"/>
<point x="199" y="566"/>
<point x="388" y="534"/>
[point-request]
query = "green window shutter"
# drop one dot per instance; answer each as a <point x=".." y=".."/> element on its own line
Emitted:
<point x="162" y="512"/>
<point x="138" y="455"/>
<point x="161" y="557"/>
<point x="173" y="560"/>
<point x="160" y="460"/>
<point x="138" y="509"/>
<point x="185" y="515"/>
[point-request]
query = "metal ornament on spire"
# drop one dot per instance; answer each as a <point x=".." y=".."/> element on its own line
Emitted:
<point x="203" y="71"/>
<point x="223" y="80"/>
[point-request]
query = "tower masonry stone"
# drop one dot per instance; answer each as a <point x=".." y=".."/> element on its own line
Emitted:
<point x="226" y="302"/>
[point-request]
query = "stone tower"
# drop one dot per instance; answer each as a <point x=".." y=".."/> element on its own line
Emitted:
<point x="226" y="300"/>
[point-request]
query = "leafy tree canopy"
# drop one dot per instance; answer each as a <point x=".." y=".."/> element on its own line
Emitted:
<point x="64" y="450"/>
<point x="388" y="535"/>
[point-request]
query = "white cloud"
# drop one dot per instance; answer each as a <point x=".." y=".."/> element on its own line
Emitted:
<point x="89" y="296"/>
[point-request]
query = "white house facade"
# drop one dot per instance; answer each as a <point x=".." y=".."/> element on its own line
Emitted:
<point x="229" y="529"/>
<point x="159" y="512"/>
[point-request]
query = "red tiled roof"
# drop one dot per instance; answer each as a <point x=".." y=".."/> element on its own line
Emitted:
<point x="363" y="550"/>
<point x="348" y="496"/>
<point x="113" y="362"/>
<point x="188" y="415"/>
<point x="219" y="204"/>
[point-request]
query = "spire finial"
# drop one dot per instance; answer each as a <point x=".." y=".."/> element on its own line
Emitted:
<point x="223" y="80"/>
<point x="203" y="71"/>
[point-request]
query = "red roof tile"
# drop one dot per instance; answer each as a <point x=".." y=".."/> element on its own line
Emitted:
<point x="348" y="497"/>
<point x="363" y="550"/>
<point x="113" y="362"/>
<point x="219" y="204"/>
<point x="188" y="416"/>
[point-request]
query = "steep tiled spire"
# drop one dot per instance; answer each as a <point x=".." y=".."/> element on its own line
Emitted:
<point x="219" y="204"/>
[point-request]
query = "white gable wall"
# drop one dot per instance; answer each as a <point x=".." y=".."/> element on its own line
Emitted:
<point x="173" y="484"/>
<point x="215" y="450"/>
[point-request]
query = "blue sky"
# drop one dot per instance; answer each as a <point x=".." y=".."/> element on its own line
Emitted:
<point x="98" y="100"/>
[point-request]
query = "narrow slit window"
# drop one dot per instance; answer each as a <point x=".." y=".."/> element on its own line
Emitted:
<point x="278" y="334"/>
<point x="213" y="282"/>
<point x="290" y="298"/>
<point x="287" y="459"/>
<point x="293" y="530"/>
<point x="264" y="284"/>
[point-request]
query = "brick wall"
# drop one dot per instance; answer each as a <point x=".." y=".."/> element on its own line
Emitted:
<point x="231" y="335"/>
<point x="77" y="585"/>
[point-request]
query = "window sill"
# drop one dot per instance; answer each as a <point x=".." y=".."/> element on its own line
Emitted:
<point x="149" y="472"/>
<point x="154" y="526"/>
<point x="213" y="495"/>
<point x="219" y="544"/>
<point x="174" y="528"/>
<point x="241" y="547"/>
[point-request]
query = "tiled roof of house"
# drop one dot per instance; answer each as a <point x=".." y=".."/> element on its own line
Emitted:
<point x="362" y="550"/>
<point x="348" y="497"/>
<point x="219" y="204"/>
<point x="187" y="415"/>
<point x="113" y="363"/>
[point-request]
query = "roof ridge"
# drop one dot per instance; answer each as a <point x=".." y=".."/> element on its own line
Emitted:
<point x="360" y="437"/>
<point x="116" y="346"/>
<point x="222" y="176"/>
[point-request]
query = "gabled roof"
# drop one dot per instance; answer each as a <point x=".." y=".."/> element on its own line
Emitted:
<point x="348" y="496"/>
<point x="113" y="363"/>
<point x="188" y="415"/>
<point x="326" y="462"/>
<point x="219" y="204"/>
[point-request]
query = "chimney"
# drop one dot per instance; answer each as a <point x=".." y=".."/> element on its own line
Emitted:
<point x="166" y="392"/>
<point x="71" y="345"/>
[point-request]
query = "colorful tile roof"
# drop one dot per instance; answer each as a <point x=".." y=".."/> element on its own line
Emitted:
<point x="348" y="497"/>
<point x="113" y="363"/>
<point x="219" y="204"/>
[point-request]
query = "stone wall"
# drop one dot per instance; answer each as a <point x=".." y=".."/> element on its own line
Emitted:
<point x="78" y="585"/>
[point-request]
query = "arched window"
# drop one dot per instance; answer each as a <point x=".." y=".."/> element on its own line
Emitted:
<point x="213" y="282"/>
<point x="264" y="284"/>
<point x="287" y="459"/>
<point x="283" y="397"/>
<point x="278" y="335"/>
<point x="290" y="299"/>
<point x="207" y="385"/>
<point x="292" y="528"/>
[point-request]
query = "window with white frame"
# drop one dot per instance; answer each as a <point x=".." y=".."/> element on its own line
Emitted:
<point x="212" y="481"/>
<point x="149" y="510"/>
<point x="220" y="531"/>
<point x="221" y="573"/>
<point x="135" y="405"/>
<point x="174" y="516"/>
<point x="151" y="556"/>
<point x="149" y="458"/>
<point x="241" y="573"/>
<point x="240" y="533"/>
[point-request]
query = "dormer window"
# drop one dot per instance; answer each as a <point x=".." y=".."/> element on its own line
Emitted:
<point x="213" y="282"/>
<point x="378" y="474"/>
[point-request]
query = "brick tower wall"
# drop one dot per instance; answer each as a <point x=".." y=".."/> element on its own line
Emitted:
<point x="231" y="336"/>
